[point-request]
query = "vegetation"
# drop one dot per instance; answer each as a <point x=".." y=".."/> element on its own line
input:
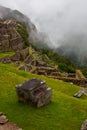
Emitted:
<point x="6" y="54"/>
<point x="64" y="64"/>
<point x="84" y="70"/>
<point x="63" y="113"/>
<point x="24" y="33"/>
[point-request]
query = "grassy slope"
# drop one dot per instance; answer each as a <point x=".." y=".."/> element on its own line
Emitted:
<point x="64" y="112"/>
<point x="6" y="54"/>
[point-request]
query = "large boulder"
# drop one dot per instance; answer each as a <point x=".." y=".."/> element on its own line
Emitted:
<point x="34" y="92"/>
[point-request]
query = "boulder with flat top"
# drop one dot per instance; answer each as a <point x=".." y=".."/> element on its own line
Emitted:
<point x="34" y="91"/>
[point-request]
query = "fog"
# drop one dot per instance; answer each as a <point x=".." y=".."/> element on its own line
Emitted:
<point x="63" y="21"/>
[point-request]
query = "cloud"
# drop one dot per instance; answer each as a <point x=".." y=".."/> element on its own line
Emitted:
<point x="11" y="4"/>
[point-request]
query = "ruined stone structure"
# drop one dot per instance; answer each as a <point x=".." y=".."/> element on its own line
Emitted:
<point x="5" y="124"/>
<point x="79" y="82"/>
<point x="34" y="92"/>
<point x="10" y="39"/>
<point x="33" y="63"/>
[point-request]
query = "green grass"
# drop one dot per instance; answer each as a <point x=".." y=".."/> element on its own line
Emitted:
<point x="6" y="54"/>
<point x="63" y="113"/>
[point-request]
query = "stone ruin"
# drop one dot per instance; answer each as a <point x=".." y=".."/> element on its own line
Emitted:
<point x="33" y="62"/>
<point x="35" y="92"/>
<point x="5" y="124"/>
<point x="76" y="78"/>
<point x="10" y="39"/>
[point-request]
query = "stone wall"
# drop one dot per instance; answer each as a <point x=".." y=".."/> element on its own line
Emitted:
<point x="79" y="82"/>
<point x="10" y="39"/>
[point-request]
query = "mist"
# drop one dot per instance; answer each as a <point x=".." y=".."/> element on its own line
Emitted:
<point x="63" y="21"/>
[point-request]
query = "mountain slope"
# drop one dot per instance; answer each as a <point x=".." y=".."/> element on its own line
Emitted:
<point x="35" y="37"/>
<point x="14" y="37"/>
<point x="7" y="13"/>
<point x="64" y="64"/>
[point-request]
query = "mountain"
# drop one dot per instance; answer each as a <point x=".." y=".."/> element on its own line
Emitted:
<point x="14" y="38"/>
<point x="30" y="35"/>
<point x="35" y="37"/>
<point x="7" y="13"/>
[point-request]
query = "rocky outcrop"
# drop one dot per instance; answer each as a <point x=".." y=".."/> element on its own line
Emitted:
<point x="5" y="124"/>
<point x="10" y="39"/>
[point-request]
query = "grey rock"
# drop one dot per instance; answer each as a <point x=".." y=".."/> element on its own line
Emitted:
<point x="24" y="53"/>
<point x="34" y="92"/>
<point x="16" y="57"/>
<point x="17" y="63"/>
<point x="84" y="125"/>
<point x="10" y="39"/>
<point x="20" y="55"/>
<point x="79" y="94"/>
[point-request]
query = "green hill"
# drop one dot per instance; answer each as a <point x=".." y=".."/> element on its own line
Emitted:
<point x="63" y="113"/>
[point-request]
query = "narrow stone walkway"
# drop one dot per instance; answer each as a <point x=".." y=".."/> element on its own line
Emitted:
<point x="5" y="124"/>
